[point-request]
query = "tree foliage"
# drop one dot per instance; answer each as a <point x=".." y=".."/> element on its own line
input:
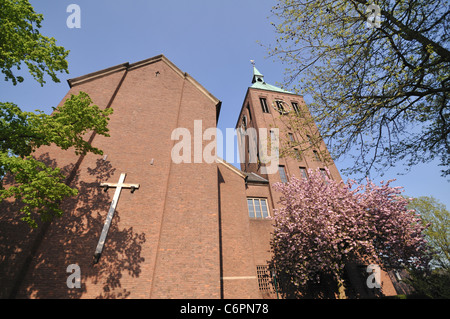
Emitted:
<point x="322" y="225"/>
<point x="21" y="42"/>
<point x="383" y="92"/>
<point x="434" y="283"/>
<point x="39" y="188"/>
<point x="437" y="234"/>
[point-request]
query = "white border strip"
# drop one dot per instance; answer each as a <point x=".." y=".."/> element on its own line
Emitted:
<point x="239" y="277"/>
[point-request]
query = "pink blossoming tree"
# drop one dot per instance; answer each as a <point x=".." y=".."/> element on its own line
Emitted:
<point x="324" y="224"/>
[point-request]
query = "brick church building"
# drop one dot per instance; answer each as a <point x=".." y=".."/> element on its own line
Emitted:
<point x="179" y="230"/>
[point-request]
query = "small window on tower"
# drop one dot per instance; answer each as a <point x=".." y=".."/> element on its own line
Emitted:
<point x="249" y="114"/>
<point x="316" y="156"/>
<point x="303" y="172"/>
<point x="298" y="154"/>
<point x="291" y="137"/>
<point x="282" y="172"/>
<point x="295" y="108"/>
<point x="324" y="174"/>
<point x="264" y="107"/>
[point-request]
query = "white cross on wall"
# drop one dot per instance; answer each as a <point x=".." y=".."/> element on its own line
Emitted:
<point x="112" y="209"/>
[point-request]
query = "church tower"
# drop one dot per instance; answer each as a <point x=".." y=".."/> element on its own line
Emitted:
<point x="283" y="113"/>
<point x="277" y="110"/>
<point x="247" y="199"/>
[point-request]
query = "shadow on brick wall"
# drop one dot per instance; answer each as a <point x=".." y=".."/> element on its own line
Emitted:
<point x="33" y="262"/>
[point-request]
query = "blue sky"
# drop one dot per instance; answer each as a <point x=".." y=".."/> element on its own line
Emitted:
<point x="211" y="40"/>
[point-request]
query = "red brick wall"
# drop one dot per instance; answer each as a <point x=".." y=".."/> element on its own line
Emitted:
<point x="20" y="246"/>
<point x="261" y="229"/>
<point x="163" y="241"/>
<point x="238" y="260"/>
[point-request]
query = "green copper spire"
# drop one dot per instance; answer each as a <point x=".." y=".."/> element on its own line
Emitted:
<point x="257" y="76"/>
<point x="258" y="82"/>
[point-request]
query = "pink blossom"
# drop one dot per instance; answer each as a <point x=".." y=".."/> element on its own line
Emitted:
<point x="323" y="226"/>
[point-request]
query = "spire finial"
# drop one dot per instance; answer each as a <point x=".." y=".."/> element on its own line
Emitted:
<point x="252" y="62"/>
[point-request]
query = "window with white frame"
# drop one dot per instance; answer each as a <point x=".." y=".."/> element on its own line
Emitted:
<point x="257" y="208"/>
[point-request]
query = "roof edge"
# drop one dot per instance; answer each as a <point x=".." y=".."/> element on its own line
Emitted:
<point x="242" y="108"/>
<point x="231" y="167"/>
<point x="256" y="179"/>
<point x="90" y="76"/>
<point x="127" y="66"/>
<point x="251" y="177"/>
<point x="273" y="88"/>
